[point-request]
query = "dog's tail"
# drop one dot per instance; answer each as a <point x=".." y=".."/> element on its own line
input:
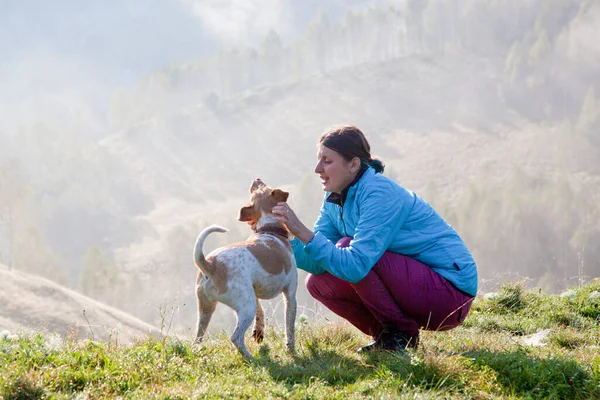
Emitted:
<point x="199" y="259"/>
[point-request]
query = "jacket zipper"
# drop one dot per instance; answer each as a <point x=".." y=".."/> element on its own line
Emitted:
<point x="342" y="217"/>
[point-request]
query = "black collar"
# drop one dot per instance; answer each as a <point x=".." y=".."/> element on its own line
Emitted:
<point x="340" y="199"/>
<point x="273" y="230"/>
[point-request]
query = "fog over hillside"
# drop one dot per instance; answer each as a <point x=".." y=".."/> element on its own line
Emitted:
<point x="56" y="56"/>
<point x="126" y="127"/>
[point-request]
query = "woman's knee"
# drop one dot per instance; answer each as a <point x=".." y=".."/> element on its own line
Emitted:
<point x="326" y="286"/>
<point x="312" y="284"/>
<point x="318" y="285"/>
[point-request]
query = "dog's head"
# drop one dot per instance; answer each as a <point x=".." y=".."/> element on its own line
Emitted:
<point x="262" y="201"/>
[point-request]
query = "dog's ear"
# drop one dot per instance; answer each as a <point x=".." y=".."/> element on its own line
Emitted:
<point x="279" y="195"/>
<point x="247" y="214"/>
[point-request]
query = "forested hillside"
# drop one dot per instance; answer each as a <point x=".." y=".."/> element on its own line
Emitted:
<point x="546" y="51"/>
<point x="489" y="110"/>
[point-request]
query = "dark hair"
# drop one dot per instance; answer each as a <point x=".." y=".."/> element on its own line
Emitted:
<point x="350" y="142"/>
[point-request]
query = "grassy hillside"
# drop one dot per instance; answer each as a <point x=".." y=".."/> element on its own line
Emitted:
<point x="32" y="302"/>
<point x="514" y="344"/>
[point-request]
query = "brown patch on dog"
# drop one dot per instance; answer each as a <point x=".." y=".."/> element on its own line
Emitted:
<point x="287" y="245"/>
<point x="269" y="260"/>
<point x="272" y="261"/>
<point x="219" y="276"/>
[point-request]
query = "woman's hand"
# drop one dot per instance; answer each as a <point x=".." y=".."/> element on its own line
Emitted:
<point x="285" y="214"/>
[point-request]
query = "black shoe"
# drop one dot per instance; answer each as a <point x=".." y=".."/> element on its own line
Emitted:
<point x="392" y="340"/>
<point x="399" y="341"/>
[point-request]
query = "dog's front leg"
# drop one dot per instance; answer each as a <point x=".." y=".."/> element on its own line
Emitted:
<point x="290" y="317"/>
<point x="206" y="308"/>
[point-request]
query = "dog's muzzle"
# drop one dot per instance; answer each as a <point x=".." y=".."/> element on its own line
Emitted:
<point x="257" y="183"/>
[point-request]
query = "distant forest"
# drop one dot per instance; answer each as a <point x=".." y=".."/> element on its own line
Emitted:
<point x="549" y="74"/>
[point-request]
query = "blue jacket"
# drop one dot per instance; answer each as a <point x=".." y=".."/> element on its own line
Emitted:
<point x="380" y="215"/>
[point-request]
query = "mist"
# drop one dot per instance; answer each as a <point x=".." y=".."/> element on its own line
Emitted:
<point x="127" y="127"/>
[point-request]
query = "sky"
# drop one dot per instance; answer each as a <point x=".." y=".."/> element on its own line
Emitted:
<point x="71" y="54"/>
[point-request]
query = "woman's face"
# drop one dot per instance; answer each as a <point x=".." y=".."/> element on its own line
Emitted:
<point x="335" y="172"/>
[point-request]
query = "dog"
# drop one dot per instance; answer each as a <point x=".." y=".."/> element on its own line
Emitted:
<point x="240" y="274"/>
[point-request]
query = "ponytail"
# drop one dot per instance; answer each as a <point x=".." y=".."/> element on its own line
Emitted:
<point x="374" y="163"/>
<point x="377" y="165"/>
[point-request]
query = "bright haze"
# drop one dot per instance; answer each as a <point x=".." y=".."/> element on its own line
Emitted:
<point x="127" y="127"/>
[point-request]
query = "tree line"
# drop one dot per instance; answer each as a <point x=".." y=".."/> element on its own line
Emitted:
<point x="536" y="42"/>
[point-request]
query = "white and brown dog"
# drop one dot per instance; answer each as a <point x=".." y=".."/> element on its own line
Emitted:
<point x="242" y="273"/>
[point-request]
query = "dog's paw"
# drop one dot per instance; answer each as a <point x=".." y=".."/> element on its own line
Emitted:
<point x="258" y="336"/>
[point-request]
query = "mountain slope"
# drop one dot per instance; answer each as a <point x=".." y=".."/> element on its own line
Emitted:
<point x="32" y="302"/>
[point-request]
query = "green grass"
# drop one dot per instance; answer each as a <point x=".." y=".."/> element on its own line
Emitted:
<point x="486" y="358"/>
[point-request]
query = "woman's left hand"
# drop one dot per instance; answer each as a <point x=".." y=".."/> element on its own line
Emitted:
<point x="285" y="214"/>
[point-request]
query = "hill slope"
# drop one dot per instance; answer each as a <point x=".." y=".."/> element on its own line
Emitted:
<point x="32" y="302"/>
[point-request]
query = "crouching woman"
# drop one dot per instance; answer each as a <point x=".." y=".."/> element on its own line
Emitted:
<point x="379" y="256"/>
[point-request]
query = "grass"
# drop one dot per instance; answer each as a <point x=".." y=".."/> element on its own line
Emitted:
<point x="486" y="358"/>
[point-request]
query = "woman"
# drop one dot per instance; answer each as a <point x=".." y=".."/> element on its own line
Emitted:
<point x="379" y="256"/>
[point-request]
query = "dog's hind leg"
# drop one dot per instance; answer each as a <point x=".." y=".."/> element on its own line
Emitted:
<point x="259" y="323"/>
<point x="245" y="310"/>
<point x="206" y="308"/>
<point x="290" y="317"/>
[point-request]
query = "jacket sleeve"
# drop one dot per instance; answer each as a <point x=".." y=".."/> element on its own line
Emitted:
<point x="325" y="227"/>
<point x="382" y="211"/>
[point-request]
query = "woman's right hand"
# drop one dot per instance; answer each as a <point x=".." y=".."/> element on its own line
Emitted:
<point x="285" y="214"/>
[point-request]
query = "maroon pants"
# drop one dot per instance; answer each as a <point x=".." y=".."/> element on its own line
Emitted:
<point x="399" y="290"/>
